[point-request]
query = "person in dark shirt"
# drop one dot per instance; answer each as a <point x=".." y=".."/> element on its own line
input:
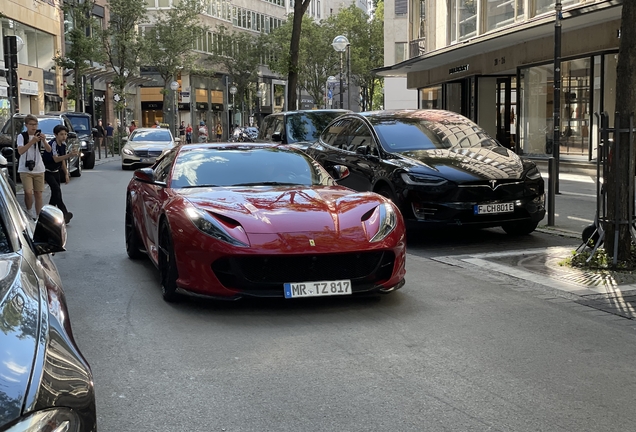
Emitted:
<point x="109" y="136"/>
<point x="55" y="164"/>
<point x="182" y="132"/>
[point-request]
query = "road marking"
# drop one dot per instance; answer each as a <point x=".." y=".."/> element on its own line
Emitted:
<point x="572" y="177"/>
<point x="578" y="194"/>
<point x="580" y="219"/>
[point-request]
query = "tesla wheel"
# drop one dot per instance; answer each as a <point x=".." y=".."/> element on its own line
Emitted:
<point x="89" y="162"/>
<point x="386" y="192"/>
<point x="133" y="243"/>
<point x="520" y="228"/>
<point x="12" y="184"/>
<point x="78" y="170"/>
<point x="167" y="266"/>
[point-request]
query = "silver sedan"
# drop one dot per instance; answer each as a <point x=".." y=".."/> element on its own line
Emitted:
<point x="144" y="146"/>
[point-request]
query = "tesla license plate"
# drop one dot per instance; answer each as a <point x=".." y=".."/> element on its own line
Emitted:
<point x="494" y="208"/>
<point x="317" y="289"/>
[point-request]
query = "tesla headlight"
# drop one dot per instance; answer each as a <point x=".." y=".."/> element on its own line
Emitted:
<point x="53" y="420"/>
<point x="210" y="226"/>
<point x="127" y="151"/>
<point x="423" y="179"/>
<point x="84" y="144"/>
<point x="533" y="173"/>
<point x="387" y="218"/>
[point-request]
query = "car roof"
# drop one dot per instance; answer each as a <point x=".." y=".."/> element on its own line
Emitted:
<point x="149" y="129"/>
<point x="236" y="145"/>
<point x="343" y="111"/>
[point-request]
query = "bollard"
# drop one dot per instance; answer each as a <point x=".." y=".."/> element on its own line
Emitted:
<point x="551" y="189"/>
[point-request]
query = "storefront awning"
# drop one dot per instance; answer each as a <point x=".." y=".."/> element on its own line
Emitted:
<point x="536" y="28"/>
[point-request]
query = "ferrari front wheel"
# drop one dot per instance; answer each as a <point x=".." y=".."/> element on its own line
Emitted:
<point x="167" y="266"/>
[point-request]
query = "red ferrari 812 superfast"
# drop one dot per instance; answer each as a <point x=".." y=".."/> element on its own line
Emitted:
<point x="227" y="221"/>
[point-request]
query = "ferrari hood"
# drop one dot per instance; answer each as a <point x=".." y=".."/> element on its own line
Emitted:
<point x="270" y="210"/>
<point x="19" y="317"/>
<point x="468" y="164"/>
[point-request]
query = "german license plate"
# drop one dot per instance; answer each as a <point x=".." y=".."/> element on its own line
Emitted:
<point x="494" y="208"/>
<point x="147" y="160"/>
<point x="317" y="289"/>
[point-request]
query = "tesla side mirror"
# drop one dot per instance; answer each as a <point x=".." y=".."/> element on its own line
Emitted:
<point x="147" y="175"/>
<point x="339" y="172"/>
<point x="277" y="137"/>
<point x="50" y="231"/>
<point x="363" y="150"/>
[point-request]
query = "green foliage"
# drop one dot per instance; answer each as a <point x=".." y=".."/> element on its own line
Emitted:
<point x="601" y="260"/>
<point x="83" y="46"/>
<point x="239" y="54"/>
<point x="124" y="45"/>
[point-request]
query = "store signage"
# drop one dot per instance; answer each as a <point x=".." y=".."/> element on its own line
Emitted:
<point x="99" y="98"/>
<point x="29" y="87"/>
<point x="458" y="69"/>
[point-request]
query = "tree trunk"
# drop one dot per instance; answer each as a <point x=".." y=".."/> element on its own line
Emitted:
<point x="300" y="7"/>
<point x="622" y="170"/>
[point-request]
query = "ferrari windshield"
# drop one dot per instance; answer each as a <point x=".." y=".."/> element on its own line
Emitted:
<point x="428" y="132"/>
<point x="246" y="166"/>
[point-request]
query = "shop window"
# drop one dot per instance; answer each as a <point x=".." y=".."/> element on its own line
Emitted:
<point x="431" y="98"/>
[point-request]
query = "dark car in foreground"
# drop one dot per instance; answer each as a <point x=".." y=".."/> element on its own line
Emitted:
<point x="298" y="128"/>
<point x="232" y="220"/>
<point x="45" y="382"/>
<point x="440" y="168"/>
<point x="46" y="123"/>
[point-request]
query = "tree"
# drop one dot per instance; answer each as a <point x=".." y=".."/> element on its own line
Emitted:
<point x="300" y="7"/>
<point x="166" y="50"/>
<point x="124" y="46"/>
<point x="317" y="58"/>
<point x="618" y="181"/>
<point x="83" y="46"/>
<point x="239" y="54"/>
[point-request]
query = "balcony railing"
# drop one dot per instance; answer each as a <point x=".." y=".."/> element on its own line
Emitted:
<point x="417" y="47"/>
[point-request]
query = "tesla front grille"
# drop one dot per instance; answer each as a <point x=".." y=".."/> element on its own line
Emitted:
<point x="261" y="272"/>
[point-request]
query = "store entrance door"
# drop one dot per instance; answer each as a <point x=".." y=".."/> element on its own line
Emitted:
<point x="507" y="111"/>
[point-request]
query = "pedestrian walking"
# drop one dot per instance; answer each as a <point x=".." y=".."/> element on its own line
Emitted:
<point x="110" y="130"/>
<point x="203" y="132"/>
<point x="219" y="132"/>
<point x="56" y="170"/>
<point x="31" y="167"/>
<point x="182" y="131"/>
<point x="99" y="134"/>
<point x="189" y="134"/>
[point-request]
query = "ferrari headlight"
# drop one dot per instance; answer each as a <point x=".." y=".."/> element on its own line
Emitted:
<point x="210" y="226"/>
<point x="53" y="420"/>
<point x="533" y="173"/>
<point x="127" y="151"/>
<point x="387" y="221"/>
<point x="423" y="179"/>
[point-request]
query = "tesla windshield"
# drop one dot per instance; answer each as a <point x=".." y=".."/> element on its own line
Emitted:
<point x="399" y="134"/>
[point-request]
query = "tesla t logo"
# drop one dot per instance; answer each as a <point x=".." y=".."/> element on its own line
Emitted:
<point x="312" y="243"/>
<point x="493" y="184"/>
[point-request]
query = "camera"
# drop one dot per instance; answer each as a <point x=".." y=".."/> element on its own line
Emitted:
<point x="38" y="132"/>
<point x="30" y="164"/>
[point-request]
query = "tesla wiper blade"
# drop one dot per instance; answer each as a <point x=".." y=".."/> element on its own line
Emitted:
<point x="197" y="186"/>
<point x="269" y="183"/>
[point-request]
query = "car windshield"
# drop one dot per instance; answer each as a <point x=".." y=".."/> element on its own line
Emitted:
<point x="81" y="124"/>
<point x="308" y="126"/>
<point x="248" y="166"/>
<point x="46" y="125"/>
<point x="155" y="135"/>
<point x="398" y="134"/>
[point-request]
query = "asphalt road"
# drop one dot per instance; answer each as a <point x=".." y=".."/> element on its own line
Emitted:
<point x="456" y="349"/>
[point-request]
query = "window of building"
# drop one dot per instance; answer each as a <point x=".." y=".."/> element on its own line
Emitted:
<point x="401" y="7"/>
<point x="400" y="52"/>
<point x="500" y="13"/>
<point x="163" y="3"/>
<point x="431" y="98"/>
<point x="545" y="6"/>
<point x="462" y="20"/>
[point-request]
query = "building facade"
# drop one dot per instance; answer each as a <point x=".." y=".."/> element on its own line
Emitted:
<point x="492" y="61"/>
<point x="39" y="26"/>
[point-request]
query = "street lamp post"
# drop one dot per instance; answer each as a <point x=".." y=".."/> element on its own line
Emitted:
<point x="174" y="86"/>
<point x="233" y="91"/>
<point x="259" y="95"/>
<point x="340" y="44"/>
<point x="12" y="46"/>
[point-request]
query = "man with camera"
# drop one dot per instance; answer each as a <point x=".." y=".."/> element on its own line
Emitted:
<point x="30" y="165"/>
